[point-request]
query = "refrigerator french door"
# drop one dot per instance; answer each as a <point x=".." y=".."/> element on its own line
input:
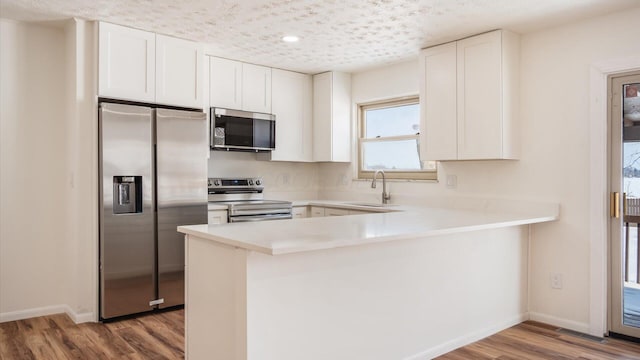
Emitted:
<point x="153" y="173"/>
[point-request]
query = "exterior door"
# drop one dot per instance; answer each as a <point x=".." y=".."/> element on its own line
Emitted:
<point x="624" y="280"/>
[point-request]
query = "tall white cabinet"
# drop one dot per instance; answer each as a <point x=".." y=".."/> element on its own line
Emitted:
<point x="332" y="117"/>
<point x="141" y="66"/>
<point x="469" y="97"/>
<point x="291" y="103"/>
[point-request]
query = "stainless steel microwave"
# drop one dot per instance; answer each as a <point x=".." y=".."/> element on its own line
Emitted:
<point x="242" y="130"/>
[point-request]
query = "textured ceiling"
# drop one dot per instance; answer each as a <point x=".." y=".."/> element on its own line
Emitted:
<point x="346" y="35"/>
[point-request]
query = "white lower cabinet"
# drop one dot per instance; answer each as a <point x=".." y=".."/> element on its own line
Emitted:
<point x="216" y="217"/>
<point x="299" y="212"/>
<point x="317" y="211"/>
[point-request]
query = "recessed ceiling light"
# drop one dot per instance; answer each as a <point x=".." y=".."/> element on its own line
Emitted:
<point x="290" y="38"/>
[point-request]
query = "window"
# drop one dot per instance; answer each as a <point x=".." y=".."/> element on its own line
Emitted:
<point x="389" y="140"/>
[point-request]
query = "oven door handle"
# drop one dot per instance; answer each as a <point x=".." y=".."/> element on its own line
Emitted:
<point x="259" y="211"/>
<point x="250" y="218"/>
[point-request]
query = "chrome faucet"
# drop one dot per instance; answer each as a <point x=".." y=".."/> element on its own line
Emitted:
<point x="385" y="195"/>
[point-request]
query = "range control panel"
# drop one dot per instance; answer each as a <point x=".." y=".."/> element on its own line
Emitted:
<point x="236" y="184"/>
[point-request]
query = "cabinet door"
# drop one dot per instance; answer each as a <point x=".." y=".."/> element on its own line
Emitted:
<point x="256" y="88"/>
<point x="299" y="212"/>
<point x="479" y="91"/>
<point x="438" y="118"/>
<point x="332" y="117"/>
<point x="126" y="63"/>
<point x="178" y="72"/>
<point x="291" y="103"/>
<point x="341" y="117"/>
<point x="317" y="211"/>
<point x="322" y="117"/>
<point x="216" y="217"/>
<point x="225" y="83"/>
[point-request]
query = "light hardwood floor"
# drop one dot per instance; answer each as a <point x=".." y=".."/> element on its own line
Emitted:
<point x="156" y="336"/>
<point x="160" y="336"/>
<point x="535" y="341"/>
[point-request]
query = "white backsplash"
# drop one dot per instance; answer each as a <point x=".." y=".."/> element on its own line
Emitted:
<point x="282" y="180"/>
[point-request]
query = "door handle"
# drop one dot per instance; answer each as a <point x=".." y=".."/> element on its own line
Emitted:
<point x="615" y="205"/>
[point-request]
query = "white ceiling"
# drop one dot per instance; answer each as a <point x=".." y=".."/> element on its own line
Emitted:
<point x="345" y="35"/>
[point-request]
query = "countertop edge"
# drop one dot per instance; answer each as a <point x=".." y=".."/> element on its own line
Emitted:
<point x="201" y="231"/>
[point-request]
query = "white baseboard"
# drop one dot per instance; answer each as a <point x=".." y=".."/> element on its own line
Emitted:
<point x="468" y="339"/>
<point x="47" y="310"/>
<point x="560" y="322"/>
<point x="80" y="318"/>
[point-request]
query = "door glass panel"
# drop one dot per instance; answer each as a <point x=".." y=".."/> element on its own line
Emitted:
<point x="631" y="183"/>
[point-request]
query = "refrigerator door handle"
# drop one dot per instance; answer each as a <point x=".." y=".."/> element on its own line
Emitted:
<point x="156" y="302"/>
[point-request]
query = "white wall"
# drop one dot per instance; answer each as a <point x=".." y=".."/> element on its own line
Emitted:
<point x="48" y="176"/>
<point x="554" y="166"/>
<point x="82" y="149"/>
<point x="34" y="215"/>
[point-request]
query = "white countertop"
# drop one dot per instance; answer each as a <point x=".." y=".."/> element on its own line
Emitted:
<point x="402" y="222"/>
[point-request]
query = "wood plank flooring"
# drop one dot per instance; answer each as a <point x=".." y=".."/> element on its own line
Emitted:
<point x="160" y="336"/>
<point x="155" y="336"/>
<point x="536" y="341"/>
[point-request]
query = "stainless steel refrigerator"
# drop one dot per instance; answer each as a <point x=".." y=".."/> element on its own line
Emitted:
<point x="153" y="174"/>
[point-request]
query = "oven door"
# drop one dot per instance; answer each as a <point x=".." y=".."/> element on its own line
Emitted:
<point x="262" y="217"/>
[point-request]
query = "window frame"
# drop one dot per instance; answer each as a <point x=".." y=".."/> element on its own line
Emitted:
<point x="361" y="132"/>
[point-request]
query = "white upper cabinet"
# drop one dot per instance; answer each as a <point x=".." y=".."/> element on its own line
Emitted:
<point x="179" y="65"/>
<point x="239" y="86"/>
<point x="256" y="88"/>
<point x="291" y="104"/>
<point x="142" y="66"/>
<point x="225" y="83"/>
<point x="126" y="62"/>
<point x="438" y="103"/>
<point x="332" y="117"/>
<point x="479" y="121"/>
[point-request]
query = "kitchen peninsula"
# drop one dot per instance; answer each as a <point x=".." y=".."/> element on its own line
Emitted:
<point x="404" y="282"/>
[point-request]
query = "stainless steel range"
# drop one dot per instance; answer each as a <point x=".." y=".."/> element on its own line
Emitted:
<point x="245" y="200"/>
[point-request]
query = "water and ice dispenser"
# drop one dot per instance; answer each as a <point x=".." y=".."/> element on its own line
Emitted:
<point x="127" y="194"/>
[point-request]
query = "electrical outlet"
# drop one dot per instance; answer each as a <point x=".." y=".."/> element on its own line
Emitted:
<point x="556" y="281"/>
<point x="452" y="181"/>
